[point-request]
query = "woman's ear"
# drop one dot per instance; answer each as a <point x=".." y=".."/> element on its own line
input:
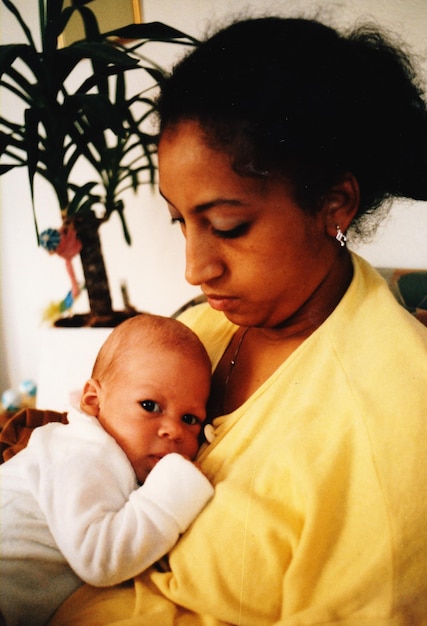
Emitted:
<point x="90" y="399"/>
<point x="340" y="204"/>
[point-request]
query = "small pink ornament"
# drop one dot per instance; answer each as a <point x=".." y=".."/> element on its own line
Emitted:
<point x="68" y="247"/>
<point x="65" y="243"/>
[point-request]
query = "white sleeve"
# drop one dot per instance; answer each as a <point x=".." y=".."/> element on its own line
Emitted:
<point x="107" y="530"/>
<point x="178" y="488"/>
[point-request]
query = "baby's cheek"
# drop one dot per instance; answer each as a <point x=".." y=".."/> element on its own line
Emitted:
<point x="192" y="447"/>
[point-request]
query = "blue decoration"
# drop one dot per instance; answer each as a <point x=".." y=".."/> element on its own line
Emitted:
<point x="11" y="400"/>
<point x="49" y="239"/>
<point x="28" y="388"/>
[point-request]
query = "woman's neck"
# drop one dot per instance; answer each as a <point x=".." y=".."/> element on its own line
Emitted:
<point x="319" y="305"/>
<point x="255" y="353"/>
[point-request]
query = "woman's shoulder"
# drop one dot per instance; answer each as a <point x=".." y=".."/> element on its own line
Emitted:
<point x="371" y="298"/>
<point x="372" y="332"/>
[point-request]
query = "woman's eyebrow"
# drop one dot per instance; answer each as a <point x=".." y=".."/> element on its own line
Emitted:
<point x="206" y="206"/>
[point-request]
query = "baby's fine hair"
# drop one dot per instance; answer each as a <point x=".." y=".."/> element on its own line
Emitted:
<point x="145" y="330"/>
<point x="295" y="98"/>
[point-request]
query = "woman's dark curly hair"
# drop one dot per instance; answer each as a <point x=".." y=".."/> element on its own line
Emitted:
<point x="294" y="97"/>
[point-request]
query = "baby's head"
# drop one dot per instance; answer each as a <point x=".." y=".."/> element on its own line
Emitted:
<point x="149" y="388"/>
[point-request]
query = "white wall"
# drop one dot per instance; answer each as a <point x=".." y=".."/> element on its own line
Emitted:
<point x="153" y="266"/>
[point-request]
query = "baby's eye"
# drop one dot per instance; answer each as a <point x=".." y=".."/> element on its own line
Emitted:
<point x="151" y="406"/>
<point x="191" y="420"/>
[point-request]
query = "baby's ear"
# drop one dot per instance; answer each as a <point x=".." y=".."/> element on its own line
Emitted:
<point x="89" y="401"/>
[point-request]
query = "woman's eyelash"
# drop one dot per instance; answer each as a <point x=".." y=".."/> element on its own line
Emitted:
<point x="232" y="233"/>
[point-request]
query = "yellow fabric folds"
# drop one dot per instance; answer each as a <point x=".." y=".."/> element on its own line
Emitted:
<point x="320" y="507"/>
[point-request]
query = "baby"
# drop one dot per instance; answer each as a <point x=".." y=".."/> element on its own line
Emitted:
<point x="100" y="499"/>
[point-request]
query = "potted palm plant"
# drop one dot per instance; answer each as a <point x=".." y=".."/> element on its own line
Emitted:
<point x="62" y="124"/>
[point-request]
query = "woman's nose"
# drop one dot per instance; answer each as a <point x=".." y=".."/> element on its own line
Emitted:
<point x="202" y="262"/>
<point x="171" y="429"/>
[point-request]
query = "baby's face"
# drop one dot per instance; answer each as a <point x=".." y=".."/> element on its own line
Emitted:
<point x="155" y="404"/>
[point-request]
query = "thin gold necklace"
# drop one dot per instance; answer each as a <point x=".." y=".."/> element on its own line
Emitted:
<point x="232" y="366"/>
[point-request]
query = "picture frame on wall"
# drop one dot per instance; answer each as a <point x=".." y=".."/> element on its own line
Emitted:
<point x="110" y="14"/>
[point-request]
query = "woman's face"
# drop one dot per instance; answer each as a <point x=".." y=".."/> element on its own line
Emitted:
<point x="255" y="254"/>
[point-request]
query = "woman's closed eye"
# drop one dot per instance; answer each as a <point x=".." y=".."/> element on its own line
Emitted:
<point x="222" y="233"/>
<point x="231" y="233"/>
<point x="180" y="221"/>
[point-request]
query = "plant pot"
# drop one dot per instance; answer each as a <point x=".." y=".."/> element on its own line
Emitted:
<point x="89" y="320"/>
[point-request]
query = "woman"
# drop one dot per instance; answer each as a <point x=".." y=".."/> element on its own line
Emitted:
<point x="277" y="136"/>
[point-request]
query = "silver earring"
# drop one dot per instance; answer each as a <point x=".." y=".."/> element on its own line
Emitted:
<point x="340" y="237"/>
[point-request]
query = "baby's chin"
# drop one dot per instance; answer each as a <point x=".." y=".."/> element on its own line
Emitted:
<point x="143" y="469"/>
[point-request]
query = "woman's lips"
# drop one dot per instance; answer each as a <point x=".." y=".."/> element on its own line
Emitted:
<point x="222" y="303"/>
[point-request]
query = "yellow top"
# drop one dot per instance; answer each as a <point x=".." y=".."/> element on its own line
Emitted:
<point x="320" y="507"/>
